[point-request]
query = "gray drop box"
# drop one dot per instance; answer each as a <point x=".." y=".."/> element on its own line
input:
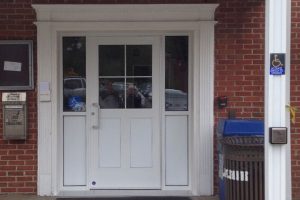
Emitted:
<point x="14" y="116"/>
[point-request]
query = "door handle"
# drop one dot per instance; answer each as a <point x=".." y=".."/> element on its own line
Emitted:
<point x="95" y="116"/>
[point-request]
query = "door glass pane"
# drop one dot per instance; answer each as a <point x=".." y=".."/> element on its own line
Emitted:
<point x="111" y="60"/>
<point x="130" y="90"/>
<point x="111" y="92"/>
<point x="74" y="77"/>
<point x="139" y="93"/>
<point x="176" y="74"/>
<point x="139" y="60"/>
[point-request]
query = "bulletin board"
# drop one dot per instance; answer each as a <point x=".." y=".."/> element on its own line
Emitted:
<point x="16" y="66"/>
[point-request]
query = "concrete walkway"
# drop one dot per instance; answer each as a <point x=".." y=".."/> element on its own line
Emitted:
<point x="34" y="197"/>
<point x="24" y="197"/>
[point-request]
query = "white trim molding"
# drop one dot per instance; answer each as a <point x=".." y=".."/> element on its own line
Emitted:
<point x="277" y="97"/>
<point x="154" y="19"/>
<point x="206" y="106"/>
<point x="44" y="111"/>
<point x="126" y="13"/>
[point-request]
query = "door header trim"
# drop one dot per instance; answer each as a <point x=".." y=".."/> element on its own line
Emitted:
<point x="125" y="12"/>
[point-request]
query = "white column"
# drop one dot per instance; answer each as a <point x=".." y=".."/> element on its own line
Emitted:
<point x="277" y="96"/>
<point x="44" y="106"/>
<point x="203" y="107"/>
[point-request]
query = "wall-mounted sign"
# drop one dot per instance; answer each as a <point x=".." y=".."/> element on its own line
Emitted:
<point x="13" y="96"/>
<point x="16" y="66"/>
<point x="277" y="64"/>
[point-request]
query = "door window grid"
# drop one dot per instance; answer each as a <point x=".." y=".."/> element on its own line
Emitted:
<point x="127" y="91"/>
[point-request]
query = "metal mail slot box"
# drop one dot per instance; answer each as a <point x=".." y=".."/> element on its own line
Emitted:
<point x="14" y="116"/>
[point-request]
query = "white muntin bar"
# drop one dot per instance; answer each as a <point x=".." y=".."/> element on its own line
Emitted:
<point x="277" y="96"/>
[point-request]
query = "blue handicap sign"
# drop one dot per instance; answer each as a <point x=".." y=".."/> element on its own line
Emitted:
<point x="277" y="64"/>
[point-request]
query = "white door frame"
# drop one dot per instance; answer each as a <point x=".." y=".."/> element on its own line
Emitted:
<point x="198" y="19"/>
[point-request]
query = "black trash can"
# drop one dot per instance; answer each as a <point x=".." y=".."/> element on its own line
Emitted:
<point x="241" y="159"/>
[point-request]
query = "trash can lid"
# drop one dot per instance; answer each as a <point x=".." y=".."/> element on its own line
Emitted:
<point x="242" y="127"/>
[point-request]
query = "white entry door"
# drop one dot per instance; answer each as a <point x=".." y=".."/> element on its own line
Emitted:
<point x="123" y="113"/>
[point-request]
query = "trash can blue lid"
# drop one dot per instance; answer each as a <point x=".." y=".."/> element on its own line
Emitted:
<point x="242" y="127"/>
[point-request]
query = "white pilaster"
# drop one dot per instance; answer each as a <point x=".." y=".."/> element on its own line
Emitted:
<point x="277" y="96"/>
<point x="44" y="50"/>
<point x="206" y="96"/>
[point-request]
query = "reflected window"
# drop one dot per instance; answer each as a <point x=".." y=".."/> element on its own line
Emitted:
<point x="139" y="60"/>
<point x="74" y="75"/>
<point x="125" y="76"/>
<point x="111" y="60"/>
<point x="176" y="73"/>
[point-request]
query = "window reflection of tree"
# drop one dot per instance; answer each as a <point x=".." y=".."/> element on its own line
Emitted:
<point x="74" y="49"/>
<point x="177" y="63"/>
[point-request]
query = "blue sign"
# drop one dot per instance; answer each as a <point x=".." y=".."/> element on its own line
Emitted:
<point x="76" y="103"/>
<point x="277" y="64"/>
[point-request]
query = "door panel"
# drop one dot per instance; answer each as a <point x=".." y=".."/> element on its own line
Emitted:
<point x="141" y="143"/>
<point x="124" y="137"/>
<point x="74" y="150"/>
<point x="110" y="143"/>
<point x="176" y="150"/>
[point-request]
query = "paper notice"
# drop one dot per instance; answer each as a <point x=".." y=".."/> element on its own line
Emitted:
<point x="44" y="87"/>
<point x="12" y="66"/>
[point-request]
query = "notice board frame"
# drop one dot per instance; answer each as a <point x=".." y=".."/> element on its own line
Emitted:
<point x="16" y="65"/>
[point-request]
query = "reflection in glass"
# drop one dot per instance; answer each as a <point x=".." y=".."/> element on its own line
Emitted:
<point x="139" y="93"/>
<point x="111" y="60"/>
<point x="176" y="92"/>
<point x="139" y="60"/>
<point x="74" y="81"/>
<point x="111" y="92"/>
<point x="130" y="90"/>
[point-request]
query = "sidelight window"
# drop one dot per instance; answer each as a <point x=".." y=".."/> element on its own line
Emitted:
<point x="74" y="75"/>
<point x="176" y="73"/>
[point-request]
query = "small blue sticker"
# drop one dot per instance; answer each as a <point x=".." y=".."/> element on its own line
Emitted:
<point x="277" y="64"/>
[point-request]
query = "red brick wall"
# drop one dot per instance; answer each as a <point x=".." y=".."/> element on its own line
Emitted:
<point x="239" y="69"/>
<point x="240" y="63"/>
<point x="239" y="59"/>
<point x="295" y="97"/>
<point x="18" y="159"/>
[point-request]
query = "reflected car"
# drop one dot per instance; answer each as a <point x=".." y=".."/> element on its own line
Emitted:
<point x="74" y="86"/>
<point x="176" y="100"/>
<point x="74" y="93"/>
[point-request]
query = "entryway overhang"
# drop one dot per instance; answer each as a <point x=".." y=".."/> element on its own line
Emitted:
<point x="54" y="20"/>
